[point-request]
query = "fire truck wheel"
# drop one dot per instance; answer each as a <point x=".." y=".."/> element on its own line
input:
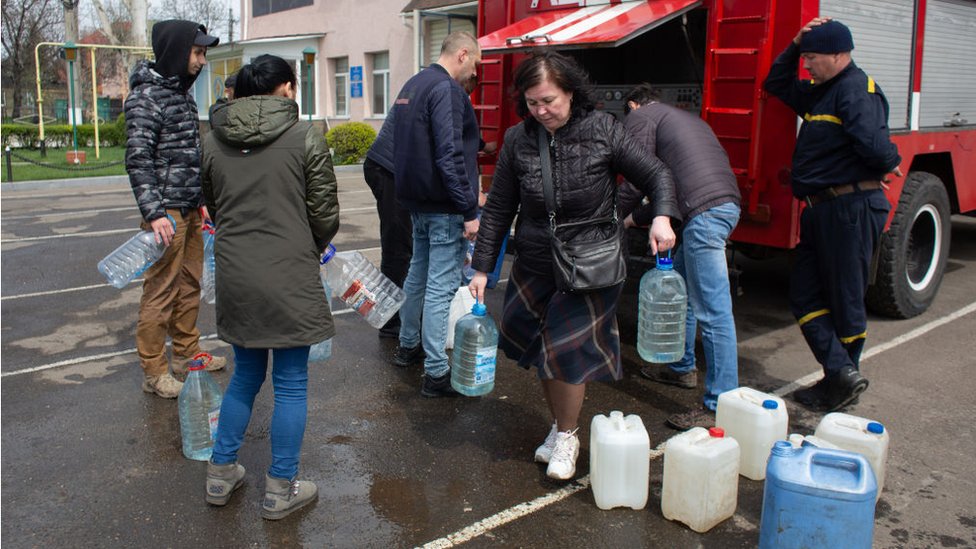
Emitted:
<point x="913" y="252"/>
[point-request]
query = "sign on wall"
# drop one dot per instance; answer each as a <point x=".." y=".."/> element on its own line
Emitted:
<point x="356" y="81"/>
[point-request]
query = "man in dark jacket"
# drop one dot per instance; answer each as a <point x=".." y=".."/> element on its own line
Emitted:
<point x="396" y="242"/>
<point x="842" y="157"/>
<point x="163" y="162"/>
<point x="435" y="151"/>
<point x="708" y="198"/>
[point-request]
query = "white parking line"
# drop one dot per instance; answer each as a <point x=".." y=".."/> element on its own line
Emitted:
<point x="523" y="509"/>
<point x="71" y="213"/>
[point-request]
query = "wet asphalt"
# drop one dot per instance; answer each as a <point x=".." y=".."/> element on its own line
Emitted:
<point x="89" y="460"/>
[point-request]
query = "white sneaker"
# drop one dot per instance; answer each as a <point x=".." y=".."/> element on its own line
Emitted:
<point x="562" y="463"/>
<point x="542" y="453"/>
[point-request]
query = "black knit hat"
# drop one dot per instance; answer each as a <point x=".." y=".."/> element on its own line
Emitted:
<point x="830" y="37"/>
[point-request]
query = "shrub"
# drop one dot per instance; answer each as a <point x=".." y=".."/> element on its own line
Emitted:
<point x="110" y="134"/>
<point x="350" y="142"/>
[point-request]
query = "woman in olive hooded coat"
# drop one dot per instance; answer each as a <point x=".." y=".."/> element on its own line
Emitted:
<point x="269" y="185"/>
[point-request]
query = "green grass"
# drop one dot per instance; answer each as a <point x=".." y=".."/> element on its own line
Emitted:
<point x="25" y="171"/>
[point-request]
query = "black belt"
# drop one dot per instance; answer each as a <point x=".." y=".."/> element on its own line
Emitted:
<point x="833" y="192"/>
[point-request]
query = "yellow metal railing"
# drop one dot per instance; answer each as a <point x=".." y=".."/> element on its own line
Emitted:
<point x="40" y="98"/>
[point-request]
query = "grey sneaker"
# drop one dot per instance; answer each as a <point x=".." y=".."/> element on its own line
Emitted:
<point x="165" y="385"/>
<point x="699" y="417"/>
<point x="663" y="374"/>
<point x="283" y="497"/>
<point x="222" y="480"/>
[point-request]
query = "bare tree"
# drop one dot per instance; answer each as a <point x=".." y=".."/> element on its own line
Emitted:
<point x="209" y="13"/>
<point x="25" y="23"/>
<point x="134" y="11"/>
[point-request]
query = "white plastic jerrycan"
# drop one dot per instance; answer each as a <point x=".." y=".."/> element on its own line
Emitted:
<point x="755" y="420"/>
<point x="701" y="478"/>
<point x="857" y="434"/>
<point x="798" y="440"/>
<point x="619" y="461"/>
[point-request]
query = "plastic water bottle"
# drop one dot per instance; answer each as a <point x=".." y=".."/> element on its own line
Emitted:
<point x="467" y="271"/>
<point x="199" y="404"/>
<point x="475" y="351"/>
<point x="208" y="283"/>
<point x="362" y="287"/>
<point x="131" y="259"/>
<point x="322" y="350"/>
<point x="662" y="308"/>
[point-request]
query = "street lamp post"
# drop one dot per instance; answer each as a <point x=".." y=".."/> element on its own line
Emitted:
<point x="309" y="55"/>
<point x="70" y="55"/>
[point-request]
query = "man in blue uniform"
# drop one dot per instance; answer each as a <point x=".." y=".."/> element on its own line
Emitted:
<point x="842" y="157"/>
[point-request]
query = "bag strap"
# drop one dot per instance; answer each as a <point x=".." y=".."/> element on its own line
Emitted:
<point x="547" y="187"/>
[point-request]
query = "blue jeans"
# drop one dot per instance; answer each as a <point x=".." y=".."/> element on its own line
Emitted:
<point x="290" y="378"/>
<point x="432" y="281"/>
<point x="701" y="260"/>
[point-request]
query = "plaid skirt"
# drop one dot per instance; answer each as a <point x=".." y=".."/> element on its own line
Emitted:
<point x="569" y="337"/>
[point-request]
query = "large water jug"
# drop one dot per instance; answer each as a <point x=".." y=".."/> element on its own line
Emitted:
<point x="361" y="286"/>
<point x="662" y="307"/>
<point x="701" y="478"/>
<point x="199" y="404"/>
<point x="131" y="259"/>
<point x="857" y="434"/>
<point x="619" y="461"/>
<point x="475" y="352"/>
<point x="322" y="350"/>
<point x="755" y="420"/>
<point x="208" y="282"/>
<point x="816" y="497"/>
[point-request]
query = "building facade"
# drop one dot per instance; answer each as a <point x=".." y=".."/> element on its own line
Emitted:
<point x="363" y="51"/>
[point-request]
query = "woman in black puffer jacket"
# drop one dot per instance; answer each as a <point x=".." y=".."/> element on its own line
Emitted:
<point x="571" y="339"/>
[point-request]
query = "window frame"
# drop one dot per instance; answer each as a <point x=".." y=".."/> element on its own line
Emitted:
<point x="344" y="87"/>
<point x="385" y="73"/>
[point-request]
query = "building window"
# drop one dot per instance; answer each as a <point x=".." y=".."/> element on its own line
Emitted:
<point x="381" y="83"/>
<point x="341" y="86"/>
<point x="307" y="78"/>
<point x="264" y="7"/>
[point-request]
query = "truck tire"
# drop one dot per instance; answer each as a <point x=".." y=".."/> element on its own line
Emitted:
<point x="914" y="251"/>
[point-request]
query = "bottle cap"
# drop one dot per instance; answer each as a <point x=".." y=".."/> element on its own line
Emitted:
<point x="875" y="427"/>
<point x="479" y="309"/>
<point x="783" y="448"/>
<point x="716" y="432"/>
<point x="197" y="364"/>
<point x="770" y="404"/>
<point x="330" y="251"/>
<point x="665" y="263"/>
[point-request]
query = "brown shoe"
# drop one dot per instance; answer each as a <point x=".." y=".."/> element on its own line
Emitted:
<point x="663" y="374"/>
<point x="165" y="385"/>
<point x="182" y="364"/>
<point x="699" y="417"/>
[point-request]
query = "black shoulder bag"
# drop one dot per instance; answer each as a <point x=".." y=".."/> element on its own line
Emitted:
<point x="581" y="264"/>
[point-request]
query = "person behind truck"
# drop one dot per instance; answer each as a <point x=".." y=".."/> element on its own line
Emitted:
<point x="840" y="164"/>
<point x="268" y="179"/>
<point x="571" y="339"/>
<point x="708" y="198"/>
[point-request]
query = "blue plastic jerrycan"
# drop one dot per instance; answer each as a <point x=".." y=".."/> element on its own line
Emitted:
<point x="817" y="497"/>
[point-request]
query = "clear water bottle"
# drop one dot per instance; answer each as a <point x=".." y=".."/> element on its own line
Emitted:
<point x="199" y="404"/>
<point x="662" y="308"/>
<point x="131" y="259"/>
<point x="475" y="351"/>
<point x="467" y="271"/>
<point x="322" y="350"/>
<point x="208" y="283"/>
<point x="362" y="287"/>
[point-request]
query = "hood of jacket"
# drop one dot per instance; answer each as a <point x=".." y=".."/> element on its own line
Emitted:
<point x="253" y="121"/>
<point x="145" y="73"/>
<point x="171" y="42"/>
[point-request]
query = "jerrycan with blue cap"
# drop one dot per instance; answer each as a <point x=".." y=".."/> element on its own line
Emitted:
<point x="817" y="497"/>
<point x="756" y="420"/>
<point x="857" y="434"/>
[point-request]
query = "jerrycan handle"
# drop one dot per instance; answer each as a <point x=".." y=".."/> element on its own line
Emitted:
<point x="845" y="471"/>
<point x="665" y="262"/>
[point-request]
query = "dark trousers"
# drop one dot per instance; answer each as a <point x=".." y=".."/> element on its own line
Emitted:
<point x="396" y="229"/>
<point x="830" y="275"/>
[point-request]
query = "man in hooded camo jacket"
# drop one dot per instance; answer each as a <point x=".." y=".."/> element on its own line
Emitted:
<point x="163" y="161"/>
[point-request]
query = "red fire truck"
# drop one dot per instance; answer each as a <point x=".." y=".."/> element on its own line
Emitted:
<point x="711" y="57"/>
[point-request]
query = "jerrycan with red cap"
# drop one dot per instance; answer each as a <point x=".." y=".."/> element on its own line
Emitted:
<point x="701" y="478"/>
